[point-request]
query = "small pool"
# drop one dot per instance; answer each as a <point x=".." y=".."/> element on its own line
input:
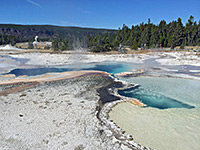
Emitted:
<point x="36" y="71"/>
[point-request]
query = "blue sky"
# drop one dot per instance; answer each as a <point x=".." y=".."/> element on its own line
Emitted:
<point x="96" y="13"/>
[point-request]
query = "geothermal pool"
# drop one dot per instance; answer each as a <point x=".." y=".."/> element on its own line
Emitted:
<point x="105" y="66"/>
<point x="162" y="128"/>
<point x="164" y="93"/>
<point x="165" y="90"/>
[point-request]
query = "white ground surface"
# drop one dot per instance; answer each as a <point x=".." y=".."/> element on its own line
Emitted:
<point x="60" y="59"/>
<point x="56" y="117"/>
<point x="8" y="47"/>
<point x="180" y="58"/>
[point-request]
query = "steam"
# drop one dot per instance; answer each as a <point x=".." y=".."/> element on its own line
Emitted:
<point x="36" y="37"/>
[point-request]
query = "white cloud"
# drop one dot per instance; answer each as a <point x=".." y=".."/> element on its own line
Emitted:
<point x="33" y="3"/>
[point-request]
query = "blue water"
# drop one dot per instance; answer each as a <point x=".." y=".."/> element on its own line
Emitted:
<point x="152" y="99"/>
<point x="149" y="92"/>
<point x="165" y="92"/>
<point x="111" y="68"/>
<point x="36" y="71"/>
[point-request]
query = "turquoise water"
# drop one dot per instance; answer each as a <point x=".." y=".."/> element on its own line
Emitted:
<point x="153" y="99"/>
<point x="112" y="68"/>
<point x="107" y="67"/>
<point x="165" y="93"/>
<point x="178" y="127"/>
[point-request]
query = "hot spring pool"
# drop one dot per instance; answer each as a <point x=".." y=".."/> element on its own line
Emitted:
<point x="106" y="66"/>
<point x="165" y="92"/>
<point x="175" y="128"/>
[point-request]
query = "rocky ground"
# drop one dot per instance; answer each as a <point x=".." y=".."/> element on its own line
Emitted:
<point x="55" y="115"/>
<point x="63" y="114"/>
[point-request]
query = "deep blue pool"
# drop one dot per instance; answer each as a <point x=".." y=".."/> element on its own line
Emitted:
<point x="37" y="71"/>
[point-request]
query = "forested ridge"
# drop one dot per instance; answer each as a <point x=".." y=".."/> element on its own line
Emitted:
<point x="149" y="35"/>
<point x="74" y="36"/>
<point x="144" y="36"/>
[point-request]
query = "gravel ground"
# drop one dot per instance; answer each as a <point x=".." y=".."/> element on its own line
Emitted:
<point x="55" y="115"/>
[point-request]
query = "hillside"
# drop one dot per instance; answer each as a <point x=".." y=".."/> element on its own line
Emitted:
<point x="12" y="33"/>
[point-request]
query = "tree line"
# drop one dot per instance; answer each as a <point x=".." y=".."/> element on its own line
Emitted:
<point x="77" y="36"/>
<point x="144" y="35"/>
<point x="149" y="35"/>
<point x="62" y="44"/>
<point x="7" y="39"/>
